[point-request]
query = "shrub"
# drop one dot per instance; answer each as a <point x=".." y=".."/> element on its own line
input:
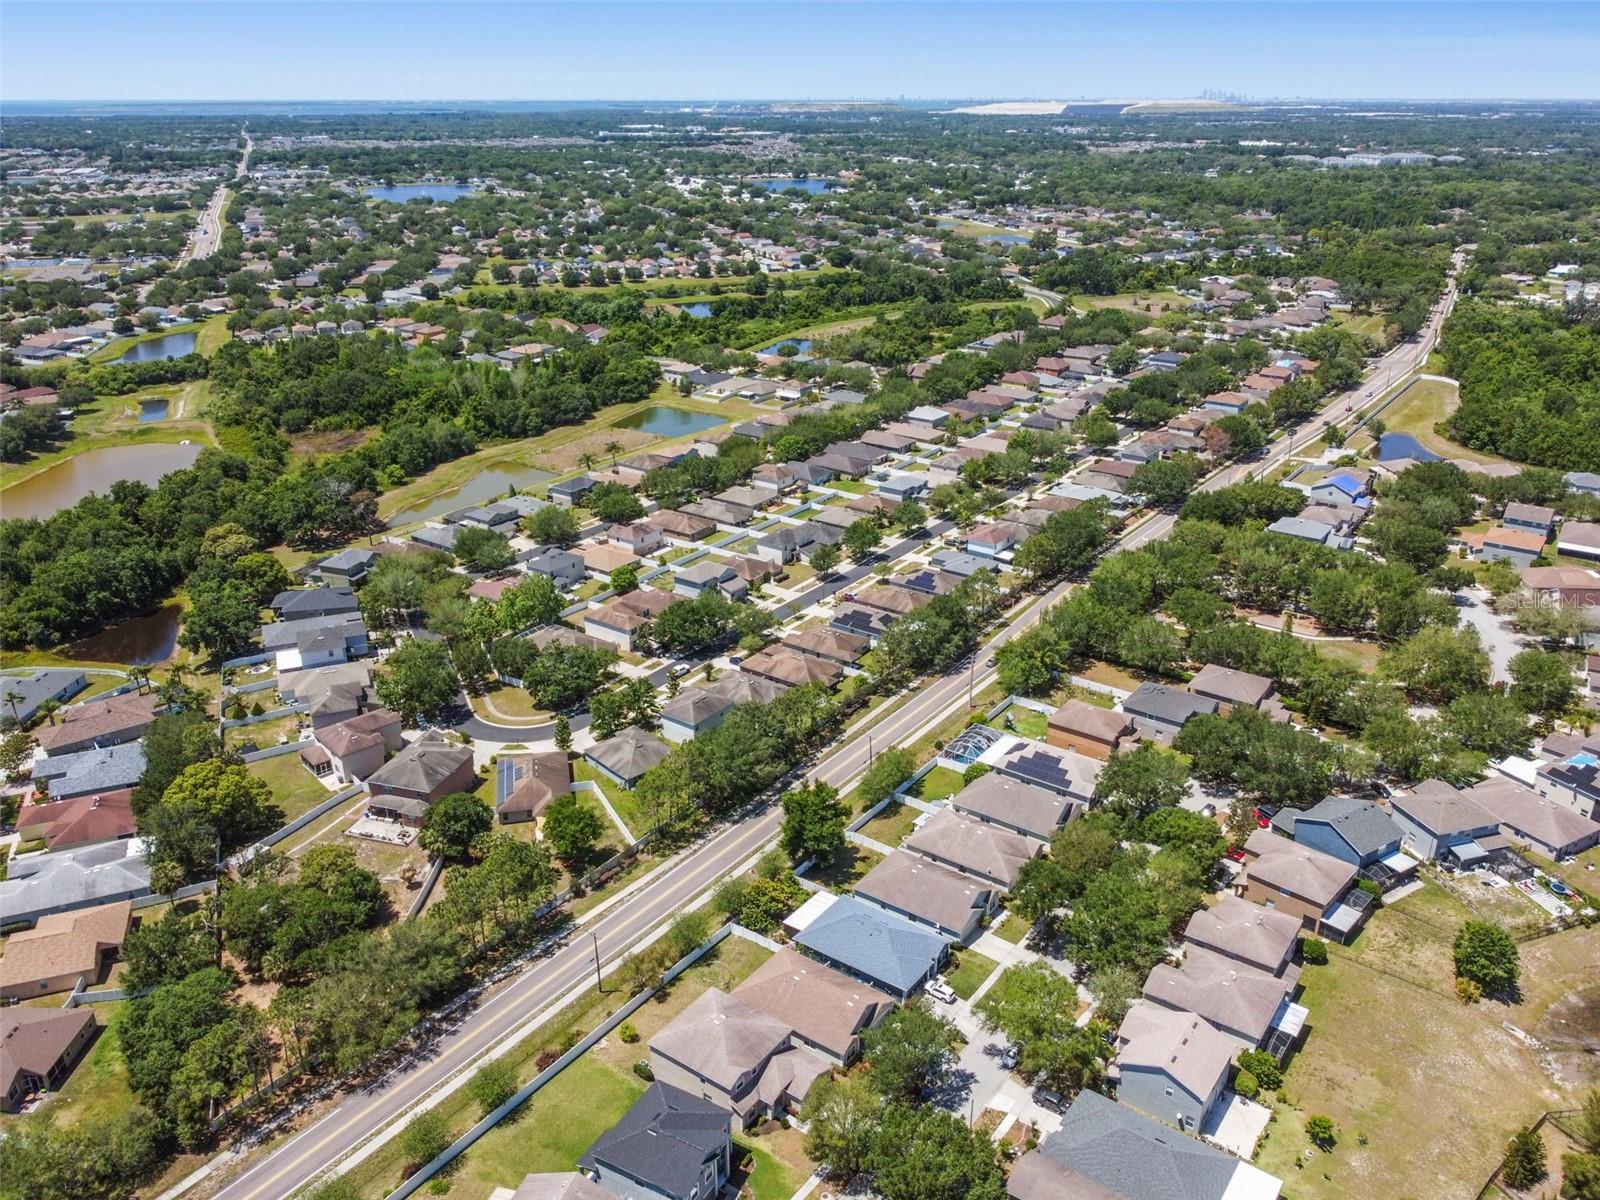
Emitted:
<point x="643" y="1071"/>
<point x="1246" y="1085"/>
<point x="425" y="1139"/>
<point x="974" y="771"/>
<point x="687" y="932"/>
<point x="1263" y="1067"/>
<point x="1524" y="1163"/>
<point x="494" y="1084"/>
<point x="1485" y="954"/>
<point x="627" y="1032"/>
<point x="1322" y="1132"/>
<point x="1314" y="951"/>
<point x="1467" y="991"/>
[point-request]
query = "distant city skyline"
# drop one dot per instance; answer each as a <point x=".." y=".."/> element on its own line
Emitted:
<point x="443" y="50"/>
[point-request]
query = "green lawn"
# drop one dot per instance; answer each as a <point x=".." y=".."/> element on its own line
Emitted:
<point x="847" y="869"/>
<point x="765" y="1176"/>
<point x="96" y="1090"/>
<point x="1422" y="406"/>
<point x="1011" y="929"/>
<point x="892" y="824"/>
<point x="294" y="789"/>
<point x="1025" y="721"/>
<point x="1386" y="1027"/>
<point x="622" y="799"/>
<point x="937" y="784"/>
<point x="969" y="971"/>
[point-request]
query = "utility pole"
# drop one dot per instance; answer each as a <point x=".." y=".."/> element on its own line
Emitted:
<point x="599" y="984"/>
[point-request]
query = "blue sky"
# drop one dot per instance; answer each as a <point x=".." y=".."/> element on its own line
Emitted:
<point x="754" y="49"/>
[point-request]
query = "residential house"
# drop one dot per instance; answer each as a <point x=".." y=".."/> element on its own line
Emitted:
<point x="710" y="575"/>
<point x="1316" y="887"/>
<point x="998" y="799"/>
<point x="863" y="622"/>
<point x="329" y="694"/>
<point x="1089" y="730"/>
<point x="421" y="775"/>
<point x="722" y="513"/>
<point x="1527" y="818"/>
<point x="26" y="691"/>
<point x="315" y="641"/>
<point x="1231" y="688"/>
<point x="1356" y="831"/>
<point x="98" y="723"/>
<point x="1110" y="476"/>
<point x="983" y="850"/>
<point x="557" y="1185"/>
<point x="352" y="749"/>
<point x="861" y="939"/>
<point x="993" y="540"/>
<point x="1537" y="517"/>
<point x="1251" y="1006"/>
<point x="437" y="537"/>
<point x="90" y="772"/>
<point x="735" y="1055"/>
<point x="620" y="619"/>
<point x="1574" y="780"/>
<point x="1583" y="483"/>
<point x="1069" y="776"/>
<point x="568" y="493"/>
<point x="1170" y="1064"/>
<point x="1436" y="821"/>
<point x="639" y="537"/>
<point x="697" y="709"/>
<point x="671" y="1145"/>
<point x="790" y="667"/>
<point x="1581" y="539"/>
<point x="625" y="757"/>
<point x="300" y="603"/>
<point x="37" y="885"/>
<point x="1246" y="933"/>
<point x="927" y="893"/>
<point x="563" y="568"/>
<point x="1342" y="487"/>
<point x="526" y="783"/>
<point x="63" y="951"/>
<point x="829" y="644"/>
<point x="39" y="1047"/>
<point x="890" y="598"/>
<point x="1311" y="531"/>
<point x="1516" y="546"/>
<point x="825" y="1010"/>
<point x="80" y="821"/>
<point x="1107" y="1151"/>
<point x="1229" y="404"/>
<point x="1159" y="711"/>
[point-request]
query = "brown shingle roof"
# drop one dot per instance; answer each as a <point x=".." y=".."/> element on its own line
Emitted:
<point x="68" y="943"/>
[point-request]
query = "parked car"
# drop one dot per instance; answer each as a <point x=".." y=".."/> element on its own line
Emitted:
<point x="941" y="991"/>
<point x="1009" y="1057"/>
<point x="1045" y="1098"/>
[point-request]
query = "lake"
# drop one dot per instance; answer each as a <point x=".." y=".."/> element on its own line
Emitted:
<point x="153" y="410"/>
<point x="489" y="484"/>
<point x="1403" y="445"/>
<point x="1006" y="239"/>
<point x="814" y="187"/>
<point x="403" y="193"/>
<point x="137" y="642"/>
<point x="664" y="421"/>
<point x="69" y="481"/>
<point x="697" y="310"/>
<point x="173" y="345"/>
<point x="801" y="346"/>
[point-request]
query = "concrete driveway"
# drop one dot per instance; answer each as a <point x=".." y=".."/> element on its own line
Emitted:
<point x="1501" y="641"/>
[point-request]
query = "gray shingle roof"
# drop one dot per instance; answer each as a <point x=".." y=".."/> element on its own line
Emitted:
<point x="663" y="1140"/>
<point x="1135" y="1156"/>
<point x="1362" y="823"/>
<point x="874" y="944"/>
<point x="1157" y="702"/>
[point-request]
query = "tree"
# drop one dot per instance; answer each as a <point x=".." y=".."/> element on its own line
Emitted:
<point x="910" y="515"/>
<point x="1140" y="781"/>
<point x="1115" y="989"/>
<point x="1587" y="1124"/>
<point x="492" y="1085"/>
<point x="424" y="1139"/>
<point x="1033" y="1006"/>
<point x="886" y="772"/>
<point x="1122" y="359"/>
<point x="928" y="1154"/>
<point x="563" y="733"/>
<point x="418" y="680"/>
<point x="1264" y="1067"/>
<point x="165" y="951"/>
<point x="1486" y="955"/>
<point x="235" y="804"/>
<point x="16" y="752"/>
<point x="92" y="1159"/>
<point x="553" y="526"/>
<point x="813" y="822"/>
<point x="909" y="1052"/>
<point x="613" y="504"/>
<point x="1437" y="664"/>
<point x="1524" y="1163"/>
<point x="453" y="823"/>
<point x="1488" y="721"/>
<point x="535" y="601"/>
<point x="480" y="549"/>
<point x="862" y="538"/>
<point x="1542" y="683"/>
<point x="842" y="1117"/>
<point x="174" y="741"/>
<point x="1162" y="482"/>
<point x="223" y="616"/>
<point x="574" y="829"/>
<point x="1580" y="1176"/>
<point x="625" y="579"/>
<point x="1321" y="1131"/>
<point x="825" y="558"/>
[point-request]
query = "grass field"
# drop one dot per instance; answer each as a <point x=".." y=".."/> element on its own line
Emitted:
<point x="1011" y="929"/>
<point x="892" y="824"/>
<point x="294" y="789"/>
<point x="968" y="972"/>
<point x="847" y="869"/>
<point x="96" y="1090"/>
<point x="1422" y="406"/>
<point x="937" y="784"/>
<point x="1151" y="303"/>
<point x="1423" y="1089"/>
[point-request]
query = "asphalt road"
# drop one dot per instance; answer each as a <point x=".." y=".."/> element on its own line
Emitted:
<point x="362" y="1114"/>
<point x="208" y="231"/>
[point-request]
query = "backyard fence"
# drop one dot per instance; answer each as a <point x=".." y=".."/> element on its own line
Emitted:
<point x="272" y="839"/>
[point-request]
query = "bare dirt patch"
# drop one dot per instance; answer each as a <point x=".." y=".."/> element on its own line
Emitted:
<point x="570" y="456"/>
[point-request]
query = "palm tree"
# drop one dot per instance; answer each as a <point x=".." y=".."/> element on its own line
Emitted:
<point x="613" y="449"/>
<point x="586" y="461"/>
<point x="14" y="698"/>
<point x="48" y="709"/>
<point x="140" y="677"/>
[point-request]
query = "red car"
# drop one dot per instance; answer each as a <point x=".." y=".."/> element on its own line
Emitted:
<point x="1236" y="854"/>
<point x="1261" y="821"/>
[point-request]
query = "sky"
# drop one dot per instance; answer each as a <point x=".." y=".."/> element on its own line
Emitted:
<point x="819" y="49"/>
